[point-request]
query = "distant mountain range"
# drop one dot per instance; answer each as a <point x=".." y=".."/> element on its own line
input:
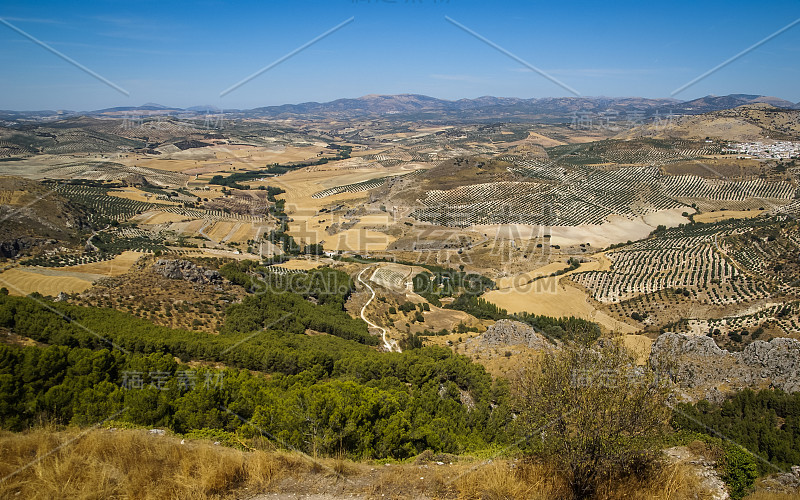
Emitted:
<point x="420" y="107"/>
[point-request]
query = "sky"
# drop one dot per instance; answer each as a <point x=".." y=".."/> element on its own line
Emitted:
<point x="187" y="53"/>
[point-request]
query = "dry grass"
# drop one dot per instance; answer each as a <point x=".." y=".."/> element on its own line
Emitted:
<point x="506" y="480"/>
<point x="95" y="464"/>
<point x="770" y="495"/>
<point x="769" y="489"/>
<point x="131" y="464"/>
<point x="676" y="481"/>
<point x="500" y="481"/>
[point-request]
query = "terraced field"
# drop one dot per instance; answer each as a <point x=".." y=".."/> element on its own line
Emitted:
<point x="782" y="315"/>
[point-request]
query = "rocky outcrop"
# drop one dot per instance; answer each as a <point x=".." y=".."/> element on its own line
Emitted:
<point x="510" y="333"/>
<point x="703" y="468"/>
<point x="12" y="248"/>
<point x="705" y="371"/>
<point x="185" y="270"/>
<point x="785" y="482"/>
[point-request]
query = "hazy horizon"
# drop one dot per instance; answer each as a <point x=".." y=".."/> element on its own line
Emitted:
<point x="187" y="55"/>
<point x="211" y="106"/>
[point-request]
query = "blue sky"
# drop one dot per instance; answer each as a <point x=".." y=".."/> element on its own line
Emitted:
<point x="185" y="53"/>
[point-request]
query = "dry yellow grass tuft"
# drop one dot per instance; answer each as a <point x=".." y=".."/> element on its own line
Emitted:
<point x="770" y="495"/>
<point x="499" y="481"/>
<point x="99" y="464"/>
<point x="675" y="481"/>
<point x="131" y="464"/>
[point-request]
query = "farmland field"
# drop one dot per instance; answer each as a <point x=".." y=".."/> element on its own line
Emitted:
<point x="551" y="297"/>
<point x="565" y="221"/>
<point x="70" y="279"/>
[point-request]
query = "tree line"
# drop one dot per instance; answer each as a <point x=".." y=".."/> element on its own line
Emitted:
<point x="564" y="328"/>
<point x="766" y="422"/>
<point x="324" y="393"/>
<point x="311" y="410"/>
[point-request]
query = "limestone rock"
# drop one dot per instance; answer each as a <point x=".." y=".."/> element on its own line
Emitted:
<point x="185" y="270"/>
<point x="705" y="371"/>
<point x="507" y="332"/>
<point x="704" y="469"/>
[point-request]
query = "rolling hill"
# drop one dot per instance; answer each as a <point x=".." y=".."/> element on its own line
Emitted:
<point x="750" y="122"/>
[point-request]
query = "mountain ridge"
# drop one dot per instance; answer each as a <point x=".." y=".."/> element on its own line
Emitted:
<point x="416" y="106"/>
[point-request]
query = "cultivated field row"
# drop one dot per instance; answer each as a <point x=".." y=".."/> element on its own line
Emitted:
<point x="582" y="195"/>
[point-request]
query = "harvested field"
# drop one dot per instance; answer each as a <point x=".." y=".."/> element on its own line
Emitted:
<point x="222" y="158"/>
<point x="130" y="193"/>
<point x="300" y="264"/>
<point x="220" y="230"/>
<point x="21" y="281"/>
<point x="542" y="140"/>
<point x="70" y="279"/>
<point x="553" y="297"/>
<point x="301" y="185"/>
<point x="158" y="217"/>
<point x="726" y="214"/>
<point x="114" y="267"/>
<point x="358" y="240"/>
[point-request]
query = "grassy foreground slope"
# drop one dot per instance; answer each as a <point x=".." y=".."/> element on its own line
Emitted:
<point x="101" y="463"/>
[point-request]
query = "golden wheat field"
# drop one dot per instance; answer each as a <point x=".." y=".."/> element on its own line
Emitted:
<point x="23" y="282"/>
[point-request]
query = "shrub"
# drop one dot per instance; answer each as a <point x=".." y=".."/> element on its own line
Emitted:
<point x="581" y="409"/>
<point x="739" y="471"/>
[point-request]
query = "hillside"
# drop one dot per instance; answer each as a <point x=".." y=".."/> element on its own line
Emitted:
<point x="374" y="280"/>
<point x="34" y="216"/>
<point x="750" y="122"/>
<point x="410" y="106"/>
<point x="711" y="103"/>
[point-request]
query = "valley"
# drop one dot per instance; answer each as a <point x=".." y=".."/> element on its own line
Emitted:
<point x="376" y="285"/>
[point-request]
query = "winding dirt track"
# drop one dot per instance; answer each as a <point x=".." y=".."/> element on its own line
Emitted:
<point x="390" y="345"/>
